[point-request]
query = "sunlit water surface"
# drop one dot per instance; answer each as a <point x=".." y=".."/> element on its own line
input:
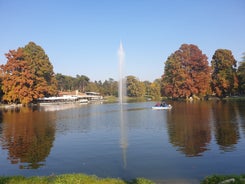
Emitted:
<point x="190" y="141"/>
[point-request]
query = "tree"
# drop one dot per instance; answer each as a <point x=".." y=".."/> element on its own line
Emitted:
<point x="186" y="73"/>
<point x="81" y="82"/>
<point x="224" y="78"/>
<point x="66" y="83"/>
<point x="155" y="89"/>
<point x="92" y="86"/>
<point x="241" y="75"/>
<point x="110" y="87"/>
<point x="27" y="75"/>
<point x="45" y="81"/>
<point x="134" y="87"/>
<point x="18" y="81"/>
<point x="152" y="89"/>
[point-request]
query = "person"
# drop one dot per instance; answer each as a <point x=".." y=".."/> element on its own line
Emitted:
<point x="158" y="104"/>
<point x="163" y="104"/>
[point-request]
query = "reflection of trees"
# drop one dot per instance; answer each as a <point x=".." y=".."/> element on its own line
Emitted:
<point x="240" y="114"/>
<point x="189" y="128"/>
<point x="226" y="127"/>
<point x="28" y="137"/>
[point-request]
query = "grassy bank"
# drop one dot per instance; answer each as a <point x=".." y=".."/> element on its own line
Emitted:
<point x="69" y="178"/>
<point x="221" y="179"/>
<point x="92" y="179"/>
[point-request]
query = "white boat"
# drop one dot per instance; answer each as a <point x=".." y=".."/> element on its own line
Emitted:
<point x="162" y="107"/>
<point x="83" y="101"/>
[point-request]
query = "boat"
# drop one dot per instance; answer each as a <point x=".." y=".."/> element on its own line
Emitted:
<point x="162" y="107"/>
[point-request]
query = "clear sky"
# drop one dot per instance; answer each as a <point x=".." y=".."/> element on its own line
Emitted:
<point x="83" y="36"/>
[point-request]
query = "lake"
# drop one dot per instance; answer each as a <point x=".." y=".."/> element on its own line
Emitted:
<point x="190" y="141"/>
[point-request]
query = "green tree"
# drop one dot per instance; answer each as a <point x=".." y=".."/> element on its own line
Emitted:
<point x="224" y="78"/>
<point x="110" y="87"/>
<point x="60" y="78"/>
<point x="241" y="75"/>
<point x="92" y="87"/>
<point x="155" y="89"/>
<point x="81" y="82"/>
<point x="147" y="85"/>
<point x="186" y="73"/>
<point x="45" y="82"/>
<point x="135" y="88"/>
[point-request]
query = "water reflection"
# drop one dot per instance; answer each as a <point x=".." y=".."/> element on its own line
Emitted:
<point x="189" y="128"/>
<point x="123" y="138"/>
<point x="28" y="136"/>
<point x="226" y="125"/>
<point x="127" y="140"/>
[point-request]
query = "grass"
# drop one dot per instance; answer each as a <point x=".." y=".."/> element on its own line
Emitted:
<point x="92" y="179"/>
<point x="224" y="179"/>
<point x="69" y="178"/>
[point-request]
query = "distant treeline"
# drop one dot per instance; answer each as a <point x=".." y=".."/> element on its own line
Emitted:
<point x="28" y="75"/>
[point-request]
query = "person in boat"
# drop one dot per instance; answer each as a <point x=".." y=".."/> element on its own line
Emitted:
<point x="163" y="104"/>
<point x="158" y="104"/>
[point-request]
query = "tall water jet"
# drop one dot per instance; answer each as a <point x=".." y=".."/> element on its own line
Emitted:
<point x="121" y="82"/>
<point x="123" y="114"/>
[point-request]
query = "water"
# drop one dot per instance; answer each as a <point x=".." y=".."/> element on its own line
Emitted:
<point x="121" y="82"/>
<point x="190" y="141"/>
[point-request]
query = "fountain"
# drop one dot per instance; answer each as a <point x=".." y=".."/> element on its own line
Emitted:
<point x="123" y="114"/>
<point x="121" y="82"/>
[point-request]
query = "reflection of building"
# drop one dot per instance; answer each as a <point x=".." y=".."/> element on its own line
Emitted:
<point x="28" y="137"/>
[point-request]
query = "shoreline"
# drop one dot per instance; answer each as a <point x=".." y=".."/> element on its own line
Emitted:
<point x="90" y="179"/>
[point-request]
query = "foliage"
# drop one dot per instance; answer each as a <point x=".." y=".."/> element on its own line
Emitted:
<point x="81" y="82"/>
<point x="153" y="90"/>
<point x="44" y="79"/>
<point x="141" y="181"/>
<point x="70" y="178"/>
<point x="214" y="179"/>
<point x="110" y="87"/>
<point x="186" y="73"/>
<point x="224" y="78"/>
<point x="27" y="75"/>
<point x="134" y="87"/>
<point x="65" y="83"/>
<point x="241" y="75"/>
<point x="17" y="81"/>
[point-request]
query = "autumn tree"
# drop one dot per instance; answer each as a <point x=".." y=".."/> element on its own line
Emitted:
<point x="186" y="73"/>
<point x="241" y="75"/>
<point x="135" y="88"/>
<point x="45" y="81"/>
<point x="224" y="78"/>
<point x="27" y="75"/>
<point x="18" y="81"/>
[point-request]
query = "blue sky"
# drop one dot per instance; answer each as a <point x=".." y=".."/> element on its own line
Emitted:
<point x="83" y="37"/>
